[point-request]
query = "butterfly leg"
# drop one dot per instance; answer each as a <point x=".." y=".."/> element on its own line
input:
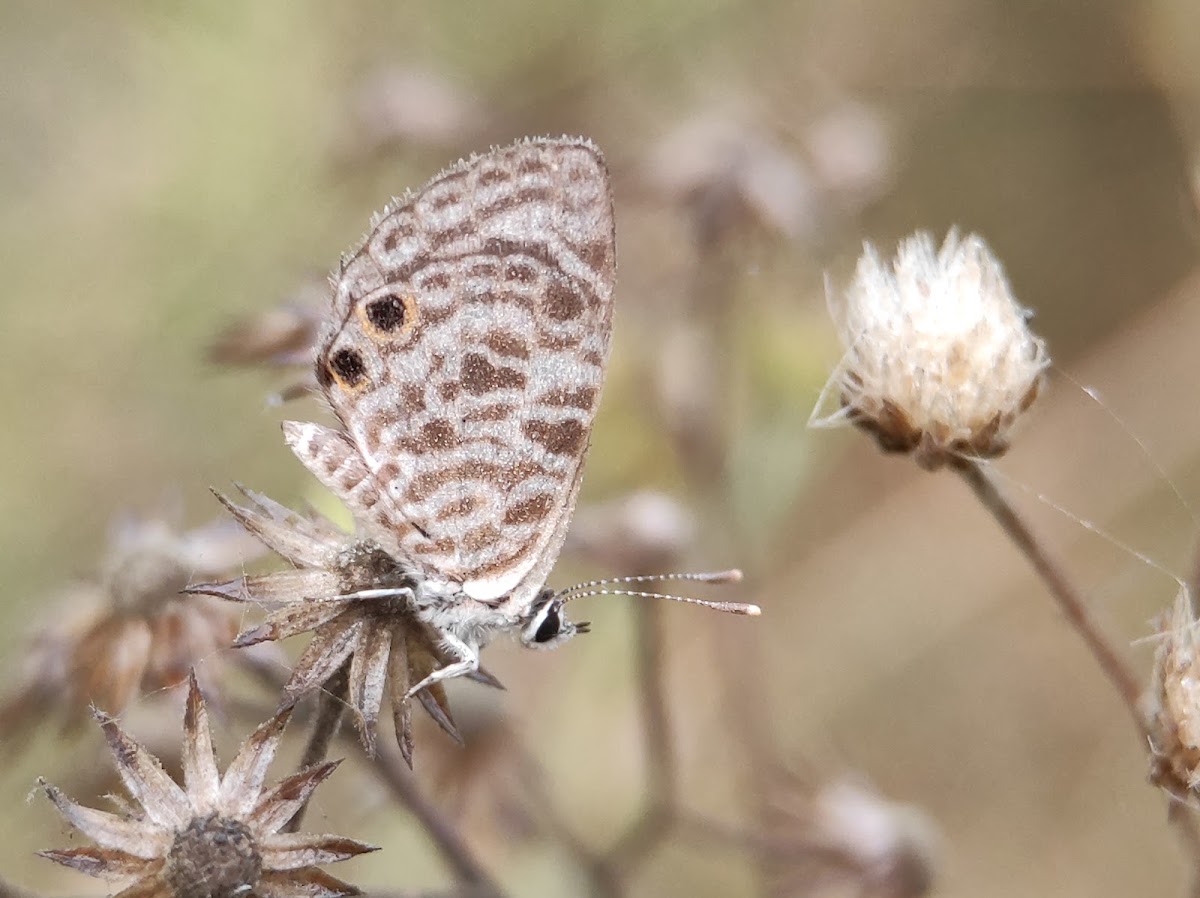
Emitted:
<point x="467" y="663"/>
<point x="402" y="592"/>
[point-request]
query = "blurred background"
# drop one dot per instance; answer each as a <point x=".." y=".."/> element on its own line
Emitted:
<point x="169" y="170"/>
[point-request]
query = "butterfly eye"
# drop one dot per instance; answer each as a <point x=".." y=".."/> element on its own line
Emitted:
<point x="550" y="625"/>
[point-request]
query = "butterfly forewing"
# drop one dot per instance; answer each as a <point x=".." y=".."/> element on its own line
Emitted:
<point x="465" y="355"/>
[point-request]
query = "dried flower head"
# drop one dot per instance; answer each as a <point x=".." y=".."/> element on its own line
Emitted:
<point x="384" y="645"/>
<point x="412" y="107"/>
<point x="214" y="837"/>
<point x="939" y="357"/>
<point x="1173" y="703"/>
<point x="644" y="532"/>
<point x="846" y="839"/>
<point x="849" y="149"/>
<point x="282" y="337"/>
<point x="129" y="632"/>
<point x="727" y="173"/>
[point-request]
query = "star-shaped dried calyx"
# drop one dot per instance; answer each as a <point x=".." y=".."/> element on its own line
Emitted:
<point x="213" y="837"/>
<point x="386" y="647"/>
<point x="940" y="360"/>
<point x="128" y="631"/>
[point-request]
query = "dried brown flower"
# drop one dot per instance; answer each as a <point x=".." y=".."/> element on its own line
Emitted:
<point x="411" y="107"/>
<point x="282" y="337"/>
<point x="1173" y="703"/>
<point x="214" y="837"/>
<point x="940" y="360"/>
<point x="727" y="173"/>
<point x="643" y="532"/>
<point x="386" y="647"/>
<point x="129" y="632"/>
<point x="849" y="150"/>
<point x="843" y="838"/>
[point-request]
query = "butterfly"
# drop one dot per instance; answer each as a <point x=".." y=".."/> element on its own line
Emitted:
<point x="463" y="355"/>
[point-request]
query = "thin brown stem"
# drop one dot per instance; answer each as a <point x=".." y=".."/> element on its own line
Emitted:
<point x="608" y="873"/>
<point x="1075" y="608"/>
<point x="391" y="768"/>
<point x="1070" y="601"/>
<point x="647" y="832"/>
<point x="1193" y="584"/>
<point x="660" y="757"/>
<point x="331" y="706"/>
<point x="641" y="839"/>
<point x="553" y="823"/>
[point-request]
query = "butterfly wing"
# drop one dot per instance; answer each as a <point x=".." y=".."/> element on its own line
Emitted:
<point x="464" y="357"/>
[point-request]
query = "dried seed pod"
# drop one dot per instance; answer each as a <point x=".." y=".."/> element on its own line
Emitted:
<point x="844" y="838"/>
<point x="728" y="173"/>
<point x="128" y="632"/>
<point x="281" y="337"/>
<point x="940" y="360"/>
<point x="1173" y="703"/>
<point x="644" y="532"/>
<point x="411" y="107"/>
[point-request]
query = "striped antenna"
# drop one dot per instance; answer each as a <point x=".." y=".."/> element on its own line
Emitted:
<point x="599" y="588"/>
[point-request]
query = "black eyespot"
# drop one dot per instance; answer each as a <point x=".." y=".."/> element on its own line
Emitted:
<point x="348" y="366"/>
<point x="549" y="626"/>
<point x="386" y="313"/>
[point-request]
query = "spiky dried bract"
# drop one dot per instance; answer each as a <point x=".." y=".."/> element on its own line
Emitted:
<point x="846" y="839"/>
<point x="128" y="631"/>
<point x="940" y="360"/>
<point x="386" y="647"/>
<point x="1173" y="704"/>
<point x="214" y="836"/>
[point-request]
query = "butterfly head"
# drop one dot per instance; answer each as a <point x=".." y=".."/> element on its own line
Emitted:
<point x="546" y="626"/>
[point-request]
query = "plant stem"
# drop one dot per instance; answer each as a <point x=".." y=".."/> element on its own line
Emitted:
<point x="394" y="772"/>
<point x="331" y="704"/>
<point x="1071" y="602"/>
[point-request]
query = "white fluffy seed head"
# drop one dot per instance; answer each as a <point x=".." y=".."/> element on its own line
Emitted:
<point x="939" y="357"/>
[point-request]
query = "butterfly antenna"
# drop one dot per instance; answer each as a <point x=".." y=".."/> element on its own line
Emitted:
<point x="733" y="575"/>
<point x="728" y="607"/>
<point x="602" y="588"/>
